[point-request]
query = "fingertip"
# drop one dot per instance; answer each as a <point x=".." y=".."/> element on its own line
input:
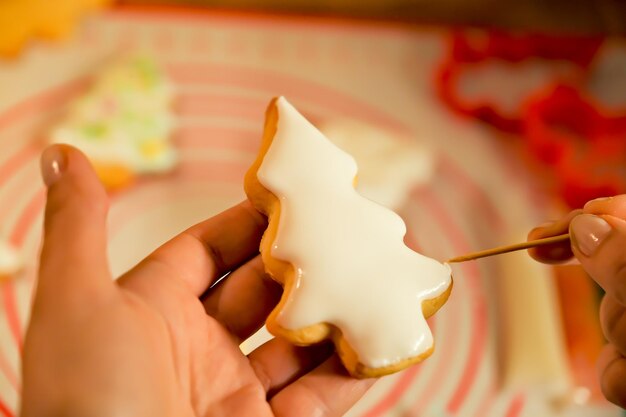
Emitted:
<point x="259" y="218"/>
<point x="598" y="242"/>
<point x="596" y="201"/>
<point x="612" y="374"/>
<point x="552" y="254"/>
<point x="588" y="232"/>
<point x="555" y="253"/>
<point x="57" y="159"/>
<point x="614" y="206"/>
<point x="69" y="176"/>
<point x="613" y="322"/>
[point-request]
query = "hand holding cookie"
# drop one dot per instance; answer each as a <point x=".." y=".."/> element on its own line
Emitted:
<point x="598" y="241"/>
<point x="162" y="340"/>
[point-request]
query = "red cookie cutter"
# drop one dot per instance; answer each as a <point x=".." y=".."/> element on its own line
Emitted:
<point x="474" y="47"/>
<point x="583" y="143"/>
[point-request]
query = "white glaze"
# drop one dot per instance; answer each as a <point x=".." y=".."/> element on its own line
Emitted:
<point x="353" y="268"/>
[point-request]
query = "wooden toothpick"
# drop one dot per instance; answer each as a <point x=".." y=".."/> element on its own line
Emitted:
<point x="510" y="248"/>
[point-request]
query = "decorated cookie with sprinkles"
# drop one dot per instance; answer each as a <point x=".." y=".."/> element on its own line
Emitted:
<point x="124" y="122"/>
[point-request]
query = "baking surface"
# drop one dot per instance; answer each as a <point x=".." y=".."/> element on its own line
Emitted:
<point x="226" y="67"/>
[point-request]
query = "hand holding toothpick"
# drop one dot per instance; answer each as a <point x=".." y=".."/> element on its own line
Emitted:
<point x="551" y="242"/>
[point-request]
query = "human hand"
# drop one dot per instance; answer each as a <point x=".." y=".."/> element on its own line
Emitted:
<point x="159" y="341"/>
<point x="598" y="241"/>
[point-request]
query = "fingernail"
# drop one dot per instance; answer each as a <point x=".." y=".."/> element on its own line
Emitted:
<point x="53" y="164"/>
<point x="588" y="232"/>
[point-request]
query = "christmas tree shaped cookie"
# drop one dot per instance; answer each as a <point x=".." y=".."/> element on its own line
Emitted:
<point x="124" y="122"/>
<point x="346" y="272"/>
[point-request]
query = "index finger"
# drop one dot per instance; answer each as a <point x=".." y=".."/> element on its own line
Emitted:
<point x="205" y="252"/>
<point x="557" y="252"/>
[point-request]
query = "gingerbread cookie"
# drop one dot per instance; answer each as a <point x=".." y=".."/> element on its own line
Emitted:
<point x="346" y="272"/>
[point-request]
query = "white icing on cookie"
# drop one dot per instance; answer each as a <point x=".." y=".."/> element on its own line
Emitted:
<point x="353" y="269"/>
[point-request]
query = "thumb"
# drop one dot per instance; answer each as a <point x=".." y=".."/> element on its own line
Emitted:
<point x="599" y="243"/>
<point x="73" y="264"/>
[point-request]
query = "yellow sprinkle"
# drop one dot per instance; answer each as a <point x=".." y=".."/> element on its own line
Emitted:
<point x="152" y="148"/>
